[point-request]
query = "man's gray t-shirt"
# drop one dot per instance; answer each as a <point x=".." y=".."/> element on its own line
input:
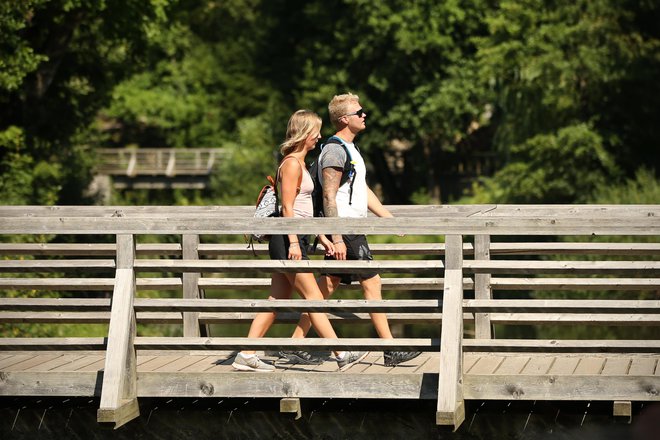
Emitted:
<point x="334" y="156"/>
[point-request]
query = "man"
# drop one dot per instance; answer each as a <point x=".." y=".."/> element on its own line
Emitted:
<point x="353" y="198"/>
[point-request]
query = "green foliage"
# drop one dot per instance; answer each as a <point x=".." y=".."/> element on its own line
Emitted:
<point x="60" y="60"/>
<point x="17" y="57"/>
<point x="22" y="181"/>
<point x="566" y="167"/>
<point x="554" y="64"/>
<point x="643" y="189"/>
<point x="255" y="152"/>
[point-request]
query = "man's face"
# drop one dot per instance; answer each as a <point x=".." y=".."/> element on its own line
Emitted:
<point x="355" y="117"/>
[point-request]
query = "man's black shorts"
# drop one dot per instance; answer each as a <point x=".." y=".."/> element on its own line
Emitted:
<point x="357" y="248"/>
<point x="278" y="247"/>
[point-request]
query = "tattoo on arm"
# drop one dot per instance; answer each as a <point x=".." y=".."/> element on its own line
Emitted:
<point x="331" y="180"/>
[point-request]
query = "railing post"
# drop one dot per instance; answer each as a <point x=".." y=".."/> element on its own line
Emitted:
<point x="190" y="245"/>
<point x="132" y="163"/>
<point x="171" y="164"/>
<point x="482" y="289"/>
<point x="119" y="390"/>
<point x="451" y="408"/>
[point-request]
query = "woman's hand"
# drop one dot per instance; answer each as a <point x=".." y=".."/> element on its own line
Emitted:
<point x="327" y="245"/>
<point x="295" y="253"/>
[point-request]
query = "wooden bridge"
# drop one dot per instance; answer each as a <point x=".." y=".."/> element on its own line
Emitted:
<point x="458" y="273"/>
<point x="157" y="168"/>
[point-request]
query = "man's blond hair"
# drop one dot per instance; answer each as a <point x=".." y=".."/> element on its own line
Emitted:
<point x="338" y="107"/>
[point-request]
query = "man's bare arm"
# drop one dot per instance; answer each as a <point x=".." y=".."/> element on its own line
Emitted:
<point x="331" y="180"/>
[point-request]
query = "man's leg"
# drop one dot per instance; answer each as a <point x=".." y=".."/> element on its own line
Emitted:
<point x="372" y="291"/>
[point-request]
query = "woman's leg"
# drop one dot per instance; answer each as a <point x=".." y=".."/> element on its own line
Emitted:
<point x="280" y="288"/>
<point x="327" y="285"/>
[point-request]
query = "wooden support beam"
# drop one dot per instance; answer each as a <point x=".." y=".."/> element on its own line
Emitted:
<point x="622" y="408"/>
<point x="482" y="289"/>
<point x="119" y="390"/>
<point x="450" y="408"/>
<point x="190" y="285"/>
<point x="291" y="405"/>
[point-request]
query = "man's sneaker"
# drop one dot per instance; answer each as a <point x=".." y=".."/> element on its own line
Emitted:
<point x="351" y="357"/>
<point x="251" y="363"/>
<point x="301" y="357"/>
<point x="393" y="358"/>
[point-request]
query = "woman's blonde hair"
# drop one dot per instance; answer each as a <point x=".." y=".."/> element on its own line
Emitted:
<point x="301" y="124"/>
<point x="338" y="107"/>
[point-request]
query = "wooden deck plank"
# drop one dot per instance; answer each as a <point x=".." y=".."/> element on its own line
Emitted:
<point x="98" y="365"/>
<point x="157" y="362"/>
<point x="616" y="366"/>
<point x="469" y="359"/>
<point x="55" y="363"/>
<point x="487" y="365"/>
<point x="642" y="366"/>
<point x="564" y="365"/>
<point x="14" y="359"/>
<point x="222" y="364"/>
<point x="80" y="361"/>
<point x="142" y="359"/>
<point x="512" y="365"/>
<point x="590" y="365"/>
<point x="431" y="366"/>
<point x="538" y="365"/>
<point x="177" y="365"/>
<point x="201" y="363"/>
<point x="33" y="361"/>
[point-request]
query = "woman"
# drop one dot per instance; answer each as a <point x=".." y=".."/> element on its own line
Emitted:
<point x="303" y="131"/>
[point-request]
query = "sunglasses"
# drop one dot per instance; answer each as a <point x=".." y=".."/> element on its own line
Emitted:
<point x="359" y="113"/>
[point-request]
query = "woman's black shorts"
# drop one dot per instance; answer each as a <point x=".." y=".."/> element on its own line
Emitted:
<point x="278" y="247"/>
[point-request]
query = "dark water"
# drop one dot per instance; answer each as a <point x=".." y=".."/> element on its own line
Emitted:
<point x="39" y="418"/>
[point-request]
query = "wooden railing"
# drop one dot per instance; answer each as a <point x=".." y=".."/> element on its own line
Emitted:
<point x="447" y="249"/>
<point x="157" y="161"/>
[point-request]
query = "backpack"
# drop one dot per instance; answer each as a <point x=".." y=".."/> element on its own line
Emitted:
<point x="268" y="204"/>
<point x="347" y="173"/>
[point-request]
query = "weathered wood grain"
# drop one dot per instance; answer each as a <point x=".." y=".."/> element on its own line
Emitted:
<point x="289" y="266"/>
<point x="642" y="268"/>
<point x="387" y="226"/>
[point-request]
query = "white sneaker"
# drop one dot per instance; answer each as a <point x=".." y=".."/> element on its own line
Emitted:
<point x="350" y="358"/>
<point x="251" y="363"/>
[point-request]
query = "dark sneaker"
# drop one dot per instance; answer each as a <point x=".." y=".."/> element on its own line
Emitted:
<point x="350" y="358"/>
<point x="393" y="358"/>
<point x="251" y="363"/>
<point x="301" y="357"/>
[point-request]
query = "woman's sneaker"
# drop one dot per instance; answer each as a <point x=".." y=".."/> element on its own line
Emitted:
<point x="350" y="358"/>
<point x="251" y="363"/>
<point x="393" y="358"/>
<point x="300" y="357"/>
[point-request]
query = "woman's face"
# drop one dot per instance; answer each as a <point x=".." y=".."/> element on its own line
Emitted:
<point x="312" y="139"/>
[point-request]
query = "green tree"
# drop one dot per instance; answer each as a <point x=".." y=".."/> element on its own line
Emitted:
<point x="557" y="64"/>
<point x="60" y="60"/>
<point x="566" y="167"/>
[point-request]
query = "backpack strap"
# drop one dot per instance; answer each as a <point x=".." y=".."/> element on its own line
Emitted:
<point x="349" y="168"/>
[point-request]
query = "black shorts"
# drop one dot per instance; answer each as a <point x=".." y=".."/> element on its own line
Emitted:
<point x="278" y="247"/>
<point x="357" y="248"/>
